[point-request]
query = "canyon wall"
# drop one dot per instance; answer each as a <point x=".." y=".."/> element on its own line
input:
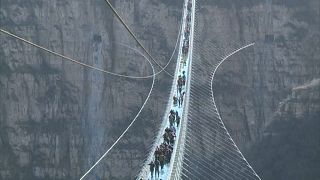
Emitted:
<point x="56" y="117"/>
<point x="267" y="94"/>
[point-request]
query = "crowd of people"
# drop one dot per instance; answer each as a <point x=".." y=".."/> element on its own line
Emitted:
<point x="163" y="152"/>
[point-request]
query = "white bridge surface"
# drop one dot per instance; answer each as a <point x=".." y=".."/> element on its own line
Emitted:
<point x="203" y="148"/>
<point x="180" y="67"/>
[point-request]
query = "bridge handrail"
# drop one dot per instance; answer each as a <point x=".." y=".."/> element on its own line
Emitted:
<point x="178" y="154"/>
<point x="144" y="172"/>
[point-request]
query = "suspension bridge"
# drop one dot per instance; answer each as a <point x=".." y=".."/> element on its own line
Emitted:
<point x="202" y="147"/>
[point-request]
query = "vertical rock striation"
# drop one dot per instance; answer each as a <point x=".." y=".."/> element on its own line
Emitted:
<point x="57" y="118"/>
<point x="256" y="85"/>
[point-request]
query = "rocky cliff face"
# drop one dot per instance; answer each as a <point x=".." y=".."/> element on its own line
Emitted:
<point x="57" y="118"/>
<point x="277" y="79"/>
<point x="289" y="145"/>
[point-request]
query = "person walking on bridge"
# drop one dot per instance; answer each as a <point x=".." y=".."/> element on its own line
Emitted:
<point x="184" y="78"/>
<point x="157" y="165"/>
<point x="175" y="100"/>
<point x="178" y="120"/>
<point x="151" y="164"/>
<point x="180" y="90"/>
<point x="161" y="159"/>
<point x="180" y="83"/>
<point x="181" y="99"/>
<point x="166" y="137"/>
<point x="171" y="119"/>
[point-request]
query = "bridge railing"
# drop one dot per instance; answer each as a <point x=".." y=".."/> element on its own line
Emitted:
<point x="145" y="170"/>
<point x="178" y="154"/>
<point x="176" y="161"/>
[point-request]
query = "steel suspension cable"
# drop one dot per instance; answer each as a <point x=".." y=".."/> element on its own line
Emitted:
<point x="104" y="71"/>
<point x="84" y="64"/>
<point x="70" y="59"/>
<point x="213" y="100"/>
<point x="126" y="130"/>
<point x="223" y="149"/>
<point x="98" y="69"/>
<point x="134" y="36"/>
<point x="218" y="115"/>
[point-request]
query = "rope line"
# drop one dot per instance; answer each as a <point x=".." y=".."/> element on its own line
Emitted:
<point x="236" y="165"/>
<point x="84" y="64"/>
<point x="68" y="58"/>
<point x="107" y="72"/>
<point x="134" y="36"/>
<point x="101" y="70"/>
<point x="213" y="100"/>
<point x="125" y="131"/>
<point x="228" y="156"/>
<point x="144" y="171"/>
